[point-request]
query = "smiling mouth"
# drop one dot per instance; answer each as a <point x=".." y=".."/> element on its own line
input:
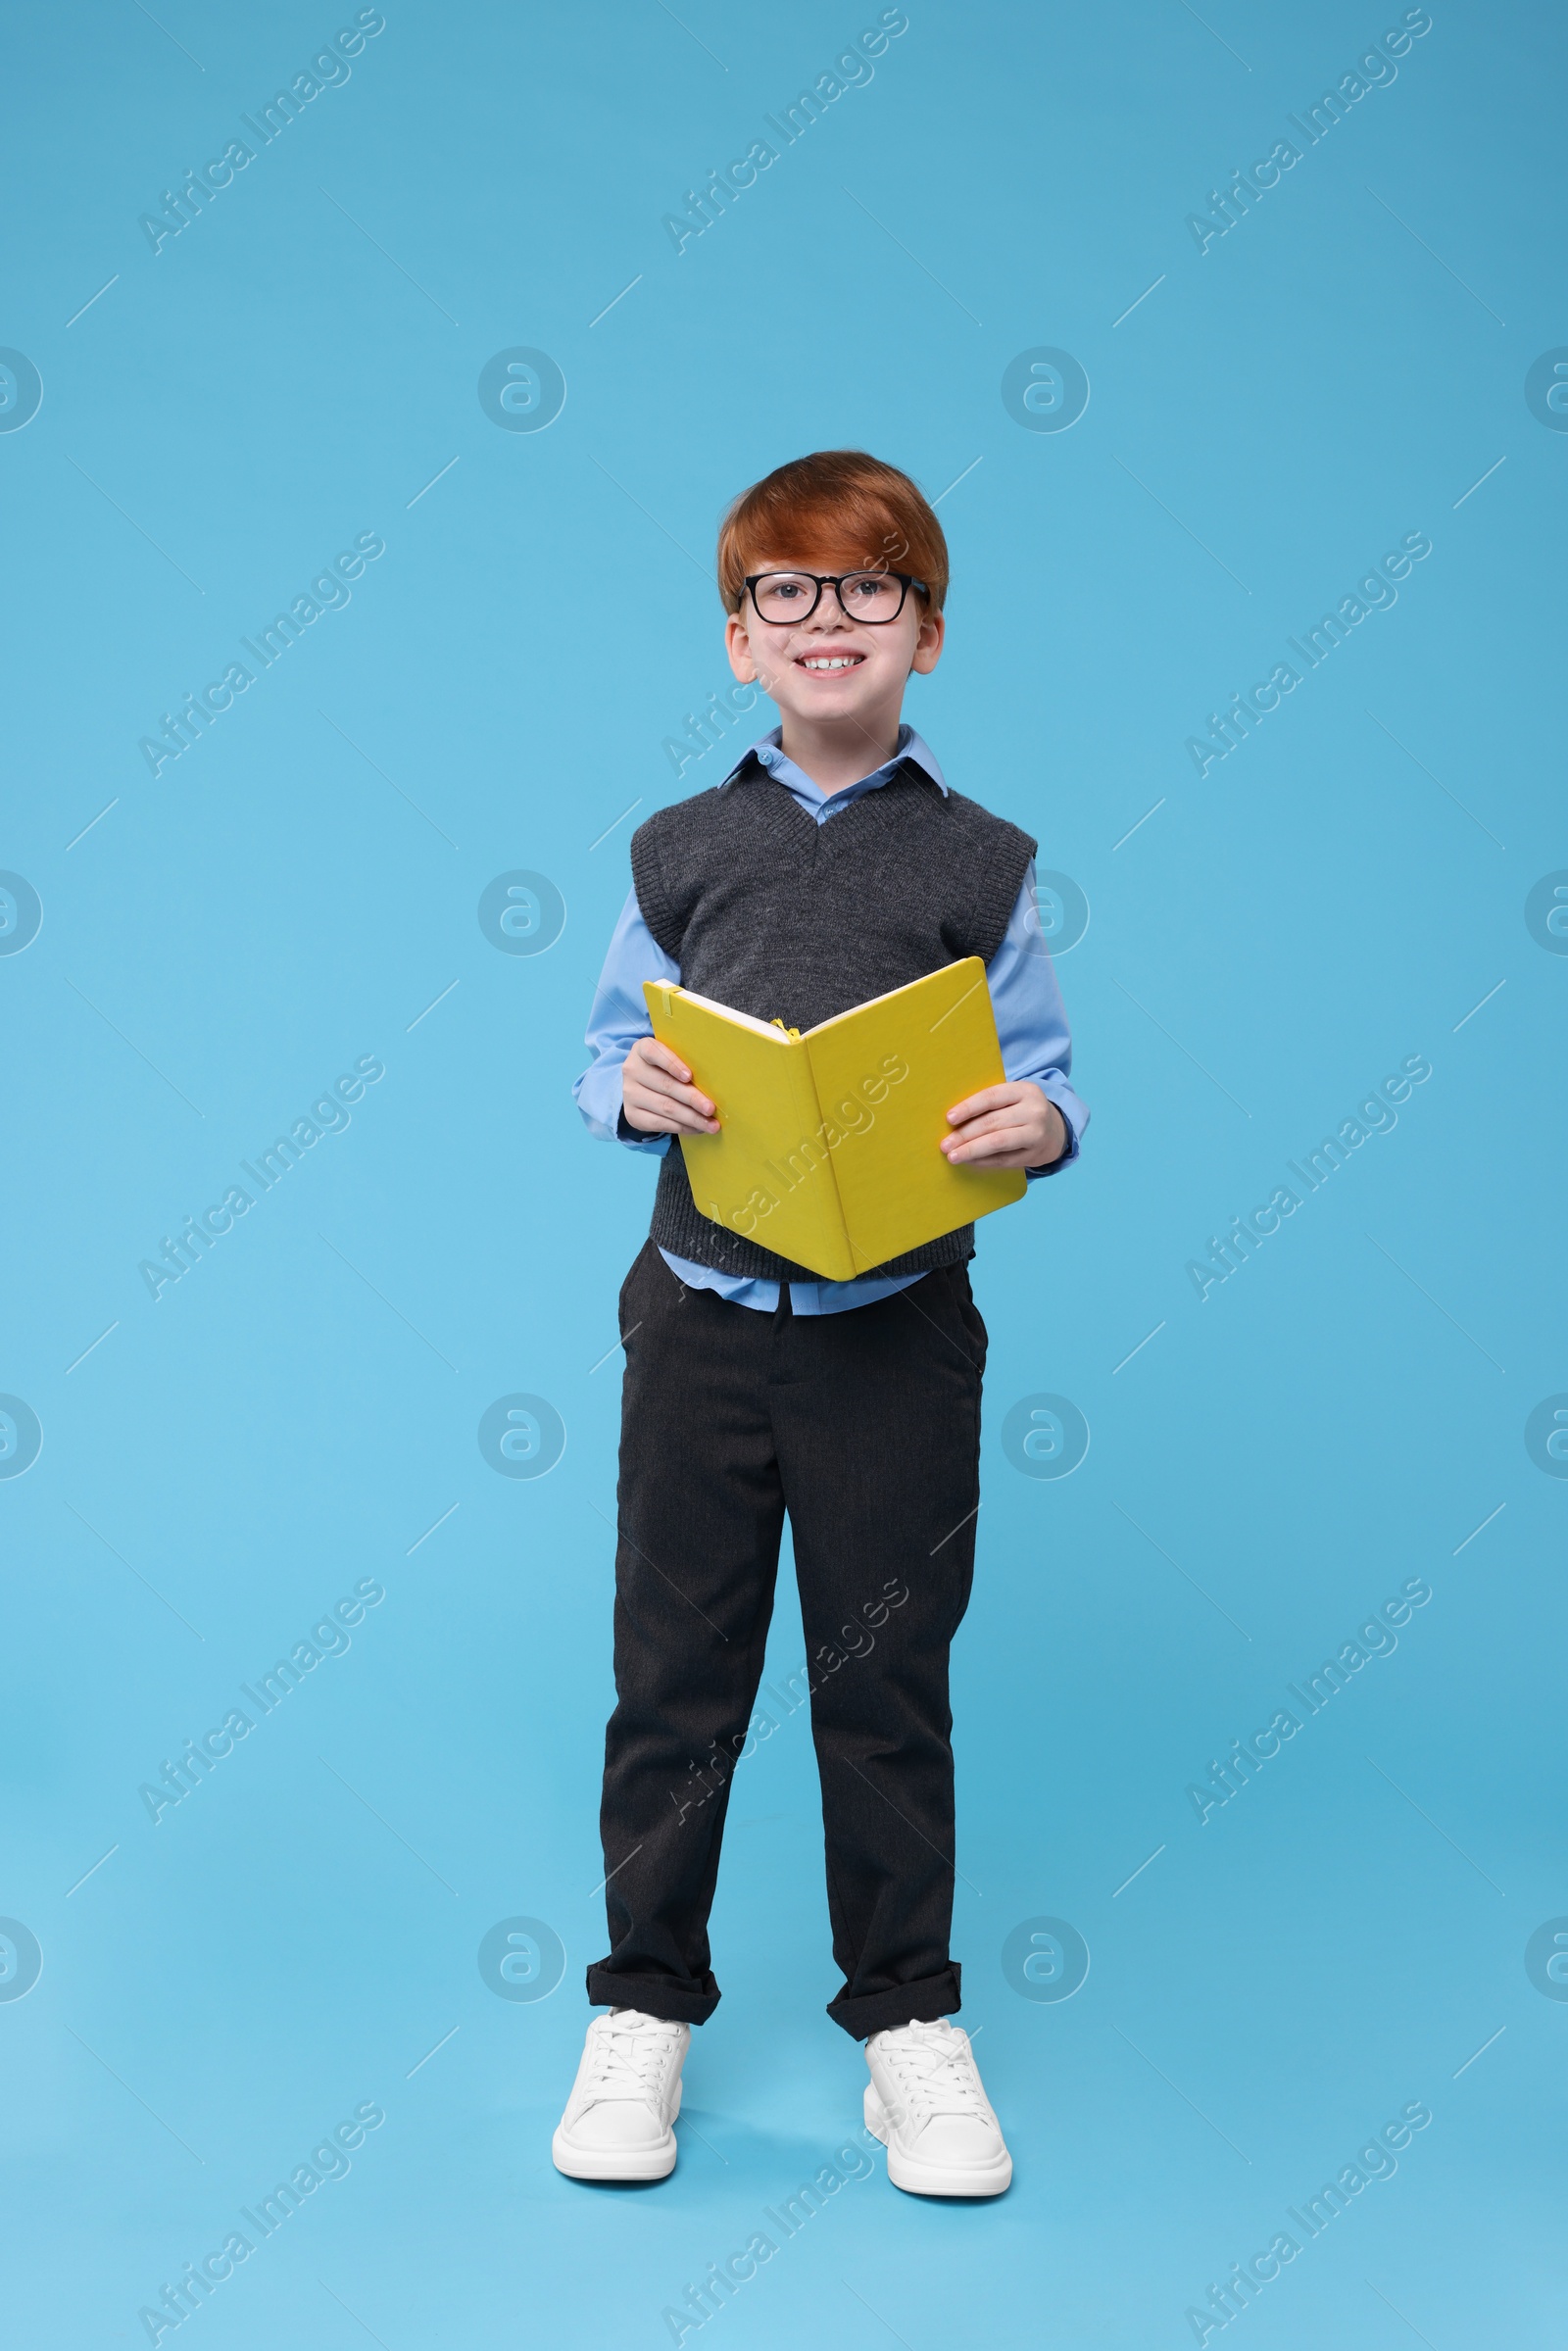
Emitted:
<point x="829" y="661"/>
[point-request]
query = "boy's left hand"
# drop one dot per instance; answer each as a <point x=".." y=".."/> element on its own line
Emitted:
<point x="1013" y="1125"/>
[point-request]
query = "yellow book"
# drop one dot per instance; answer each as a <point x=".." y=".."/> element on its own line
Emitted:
<point x="828" y="1144"/>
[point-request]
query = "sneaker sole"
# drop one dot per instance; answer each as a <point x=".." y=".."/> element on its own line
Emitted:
<point x="918" y="2178"/>
<point x="606" y="2163"/>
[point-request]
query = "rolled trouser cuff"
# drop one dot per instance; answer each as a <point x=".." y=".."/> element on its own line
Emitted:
<point x="922" y="2003"/>
<point x="654" y="1996"/>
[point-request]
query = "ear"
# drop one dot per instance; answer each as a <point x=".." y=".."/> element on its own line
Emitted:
<point x="738" y="646"/>
<point x="928" y="644"/>
<point x="745" y="660"/>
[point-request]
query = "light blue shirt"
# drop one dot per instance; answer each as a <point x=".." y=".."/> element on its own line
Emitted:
<point x="1030" y="1028"/>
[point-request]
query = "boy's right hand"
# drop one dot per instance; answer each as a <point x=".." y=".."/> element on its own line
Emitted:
<point x="657" y="1094"/>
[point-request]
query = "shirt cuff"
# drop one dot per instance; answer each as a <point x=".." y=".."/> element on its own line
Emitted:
<point x="1067" y="1157"/>
<point x="634" y="1136"/>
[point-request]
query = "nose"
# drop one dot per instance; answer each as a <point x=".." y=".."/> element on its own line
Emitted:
<point x="829" y="613"/>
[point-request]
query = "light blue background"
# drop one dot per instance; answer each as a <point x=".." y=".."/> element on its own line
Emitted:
<point x="292" y="1417"/>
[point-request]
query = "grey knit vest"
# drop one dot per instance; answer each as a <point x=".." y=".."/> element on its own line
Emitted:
<point x="768" y="910"/>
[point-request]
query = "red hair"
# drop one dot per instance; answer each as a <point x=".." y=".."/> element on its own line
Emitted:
<point x="842" y="506"/>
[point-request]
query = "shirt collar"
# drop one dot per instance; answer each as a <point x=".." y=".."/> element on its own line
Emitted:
<point x="909" y="751"/>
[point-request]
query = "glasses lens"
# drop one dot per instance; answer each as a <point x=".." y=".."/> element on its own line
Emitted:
<point x="872" y="596"/>
<point x="785" y="596"/>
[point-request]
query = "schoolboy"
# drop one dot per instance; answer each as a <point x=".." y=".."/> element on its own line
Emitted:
<point x="831" y="864"/>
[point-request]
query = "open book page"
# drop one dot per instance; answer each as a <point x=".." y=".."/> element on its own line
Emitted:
<point x="768" y="1174"/>
<point x="887" y="1074"/>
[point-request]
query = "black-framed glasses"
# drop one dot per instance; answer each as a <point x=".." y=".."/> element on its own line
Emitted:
<point x="787" y="597"/>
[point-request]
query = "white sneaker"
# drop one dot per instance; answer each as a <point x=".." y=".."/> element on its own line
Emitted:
<point x="619" y="2120"/>
<point x="925" y="2100"/>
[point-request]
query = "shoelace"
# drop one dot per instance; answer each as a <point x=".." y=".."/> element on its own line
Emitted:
<point x="936" y="2067"/>
<point x="627" y="2058"/>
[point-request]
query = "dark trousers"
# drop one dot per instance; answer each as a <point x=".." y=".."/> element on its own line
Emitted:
<point x="865" y="1427"/>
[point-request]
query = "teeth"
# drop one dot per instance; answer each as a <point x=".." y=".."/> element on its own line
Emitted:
<point x="839" y="660"/>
